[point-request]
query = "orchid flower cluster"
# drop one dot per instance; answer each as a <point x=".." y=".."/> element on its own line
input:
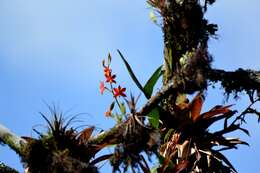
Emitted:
<point x="108" y="85"/>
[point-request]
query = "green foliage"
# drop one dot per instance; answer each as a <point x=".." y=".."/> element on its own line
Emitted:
<point x="154" y="118"/>
<point x="122" y="108"/>
<point x="153" y="17"/>
<point x="168" y="135"/>
<point x="149" y="86"/>
<point x="130" y="71"/>
<point x="176" y="132"/>
<point x="147" y="90"/>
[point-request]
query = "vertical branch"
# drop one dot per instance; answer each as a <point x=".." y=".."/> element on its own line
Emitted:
<point x="182" y="23"/>
<point x="186" y="34"/>
<point x="186" y="59"/>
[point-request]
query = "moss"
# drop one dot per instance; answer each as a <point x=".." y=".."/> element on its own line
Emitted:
<point x="6" y="169"/>
<point x="12" y="143"/>
<point x="106" y="136"/>
<point x="237" y="81"/>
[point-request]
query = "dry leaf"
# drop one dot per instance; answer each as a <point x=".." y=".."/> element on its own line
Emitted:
<point x="196" y="105"/>
<point x="86" y="133"/>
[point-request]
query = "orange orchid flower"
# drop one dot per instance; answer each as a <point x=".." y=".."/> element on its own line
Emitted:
<point x="110" y="78"/>
<point x="119" y="91"/>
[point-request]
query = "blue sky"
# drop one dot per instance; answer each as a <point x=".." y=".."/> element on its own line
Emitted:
<point x="52" y="51"/>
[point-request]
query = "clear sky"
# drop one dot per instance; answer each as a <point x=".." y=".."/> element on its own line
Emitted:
<point x="52" y="51"/>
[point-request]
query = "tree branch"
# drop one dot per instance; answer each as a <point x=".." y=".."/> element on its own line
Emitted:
<point x="6" y="169"/>
<point x="12" y="140"/>
<point x="114" y="135"/>
<point x="236" y="81"/>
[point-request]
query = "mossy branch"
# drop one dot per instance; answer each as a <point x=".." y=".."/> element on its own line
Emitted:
<point x="231" y="81"/>
<point x="12" y="140"/>
<point x="114" y="135"/>
<point x="6" y="169"/>
<point x="236" y="81"/>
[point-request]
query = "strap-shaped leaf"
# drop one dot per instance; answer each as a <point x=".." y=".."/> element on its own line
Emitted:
<point x="196" y="106"/>
<point x="122" y="108"/>
<point x="148" y="88"/>
<point x="216" y="111"/>
<point x="168" y="135"/>
<point x="86" y="133"/>
<point x="154" y="118"/>
<point x="225" y="160"/>
<point x="130" y="71"/>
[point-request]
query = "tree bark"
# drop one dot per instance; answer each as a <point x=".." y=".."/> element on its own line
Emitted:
<point x="236" y="81"/>
<point x="12" y="140"/>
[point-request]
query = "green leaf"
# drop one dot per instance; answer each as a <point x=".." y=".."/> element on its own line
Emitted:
<point x="112" y="106"/>
<point x="154" y="169"/>
<point x="130" y="71"/>
<point x="122" y="108"/>
<point x="168" y="135"/>
<point x="154" y="118"/>
<point x="153" y="17"/>
<point x="103" y="63"/>
<point x="119" y="118"/>
<point x="109" y="59"/>
<point x="161" y="159"/>
<point x="148" y="88"/>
